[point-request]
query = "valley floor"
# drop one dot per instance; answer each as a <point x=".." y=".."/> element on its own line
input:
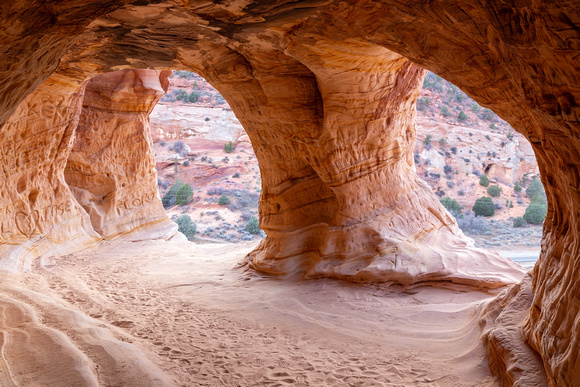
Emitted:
<point x="182" y="314"/>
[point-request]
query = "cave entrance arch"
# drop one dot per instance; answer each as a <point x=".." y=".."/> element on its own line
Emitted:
<point x="202" y="149"/>
<point x="465" y="152"/>
<point x="519" y="61"/>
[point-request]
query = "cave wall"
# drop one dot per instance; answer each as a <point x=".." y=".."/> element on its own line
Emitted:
<point x="39" y="214"/>
<point x="111" y="167"/>
<point x="518" y="59"/>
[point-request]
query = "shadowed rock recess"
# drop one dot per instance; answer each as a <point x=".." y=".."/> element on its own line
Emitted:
<point x="326" y="92"/>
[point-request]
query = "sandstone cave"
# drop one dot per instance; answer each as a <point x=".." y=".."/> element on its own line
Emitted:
<point x="326" y="92"/>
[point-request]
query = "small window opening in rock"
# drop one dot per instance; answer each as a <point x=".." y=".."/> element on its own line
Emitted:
<point x="200" y="173"/>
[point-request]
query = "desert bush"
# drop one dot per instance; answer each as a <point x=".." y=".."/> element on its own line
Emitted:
<point x="536" y="213"/>
<point x="192" y="98"/>
<point x="535" y="188"/>
<point x="539" y="199"/>
<point x="236" y="175"/>
<point x="475" y="108"/>
<point x="423" y="104"/>
<point x="186" y="226"/>
<point x="215" y="191"/>
<point x="450" y="184"/>
<point x="427" y="139"/>
<point x="462" y="116"/>
<point x="443" y="141"/>
<point x="180" y="95"/>
<point x="484" y="180"/>
<point x="445" y="111"/>
<point x="452" y="206"/>
<point x="484" y="207"/>
<point x="168" y="199"/>
<point x="494" y="191"/>
<point x="229" y="147"/>
<point x="433" y="82"/>
<point x="454" y="150"/>
<point x="472" y="223"/>
<point x="440" y="193"/>
<point x="184" y="74"/>
<point x="487" y="115"/>
<point x="181" y="148"/>
<point x="447" y="169"/>
<point x="253" y="226"/>
<point x="518" y="188"/>
<point x="519" y="222"/>
<point x="186" y="163"/>
<point x="224" y="200"/>
<point x="183" y="195"/>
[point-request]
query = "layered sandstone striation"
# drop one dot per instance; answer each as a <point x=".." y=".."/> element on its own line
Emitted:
<point x="111" y="168"/>
<point x="78" y="170"/>
<point x="329" y="108"/>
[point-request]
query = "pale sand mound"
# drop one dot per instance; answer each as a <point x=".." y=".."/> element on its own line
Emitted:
<point x="176" y="313"/>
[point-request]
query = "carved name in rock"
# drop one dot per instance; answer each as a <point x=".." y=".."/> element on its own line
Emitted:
<point x="329" y="113"/>
<point x="111" y="168"/>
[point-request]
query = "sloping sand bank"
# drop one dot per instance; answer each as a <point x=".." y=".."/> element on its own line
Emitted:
<point x="180" y="314"/>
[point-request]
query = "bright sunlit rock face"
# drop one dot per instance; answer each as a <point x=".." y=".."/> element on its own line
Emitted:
<point x="330" y="112"/>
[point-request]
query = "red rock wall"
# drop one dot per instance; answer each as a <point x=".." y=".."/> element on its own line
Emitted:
<point x="518" y="59"/>
<point x="111" y="168"/>
<point x="38" y="214"/>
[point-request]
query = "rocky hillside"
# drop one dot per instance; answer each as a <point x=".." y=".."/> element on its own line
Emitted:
<point x="458" y="141"/>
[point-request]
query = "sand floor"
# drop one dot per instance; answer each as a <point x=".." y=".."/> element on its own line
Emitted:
<point x="181" y="314"/>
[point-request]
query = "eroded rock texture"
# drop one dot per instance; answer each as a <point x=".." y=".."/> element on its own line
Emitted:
<point x="38" y="214"/>
<point x="111" y="168"/>
<point x="329" y="111"/>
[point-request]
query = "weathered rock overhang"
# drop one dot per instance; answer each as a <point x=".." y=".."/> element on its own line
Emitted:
<point x="326" y="92"/>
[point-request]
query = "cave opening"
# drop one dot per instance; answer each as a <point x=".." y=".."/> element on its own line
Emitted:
<point x="325" y="214"/>
<point x="468" y="155"/>
<point x="208" y="175"/>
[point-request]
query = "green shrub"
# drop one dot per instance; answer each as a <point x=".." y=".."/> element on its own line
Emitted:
<point x="519" y="222"/>
<point x="484" y="181"/>
<point x="427" y="139"/>
<point x="423" y="104"/>
<point x="451" y="205"/>
<point x="518" y="188"/>
<point x="186" y="226"/>
<point x="224" y="200"/>
<point x="253" y="226"/>
<point x="487" y="115"/>
<point x="448" y="169"/>
<point x="181" y="95"/>
<point x="454" y="150"/>
<point x="535" y="188"/>
<point x="484" y="207"/>
<point x="170" y="195"/>
<point x="443" y="141"/>
<point x="193" y="97"/>
<point x="445" y="111"/>
<point x="536" y="213"/>
<point x="229" y="147"/>
<point x="183" y="195"/>
<point x="462" y="116"/>
<point x="494" y="191"/>
<point x="539" y="199"/>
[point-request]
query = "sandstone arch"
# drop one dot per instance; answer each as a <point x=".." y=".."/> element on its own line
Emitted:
<point x="520" y="61"/>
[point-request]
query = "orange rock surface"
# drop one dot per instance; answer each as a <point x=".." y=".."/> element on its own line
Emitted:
<point x="111" y="168"/>
<point x="329" y="108"/>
